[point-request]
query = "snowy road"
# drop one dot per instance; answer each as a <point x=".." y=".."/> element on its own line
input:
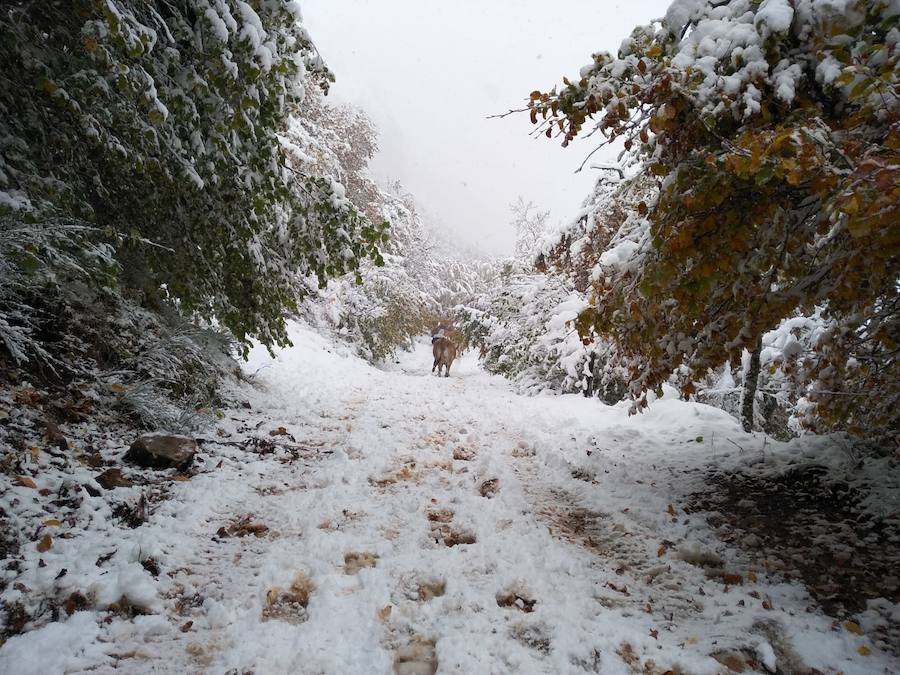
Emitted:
<point x="409" y="524"/>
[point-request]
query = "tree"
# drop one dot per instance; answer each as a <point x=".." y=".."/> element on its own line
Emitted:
<point x="774" y="131"/>
<point x="530" y="224"/>
<point x="157" y="127"/>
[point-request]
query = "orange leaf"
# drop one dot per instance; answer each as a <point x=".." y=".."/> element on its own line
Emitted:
<point x="854" y="628"/>
<point x="863" y="650"/>
<point x="25" y="481"/>
<point x="45" y="543"/>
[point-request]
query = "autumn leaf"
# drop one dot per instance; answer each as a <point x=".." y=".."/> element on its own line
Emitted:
<point x="854" y="628"/>
<point x="863" y="650"/>
<point x="52" y="522"/>
<point x="44" y="544"/>
<point x="25" y="481"/>
<point x="654" y="633"/>
<point x="671" y="510"/>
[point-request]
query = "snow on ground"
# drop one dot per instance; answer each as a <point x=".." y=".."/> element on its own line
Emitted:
<point x="385" y="520"/>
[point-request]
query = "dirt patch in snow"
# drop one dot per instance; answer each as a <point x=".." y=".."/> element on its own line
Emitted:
<point x="242" y="527"/>
<point x="489" y="488"/>
<point x="516" y="599"/>
<point x="429" y="589"/>
<point x="643" y="667"/>
<point x="462" y="454"/>
<point x="451" y="536"/>
<point x="440" y="515"/>
<point x="809" y="527"/>
<point x="592" y="529"/>
<point x="416" y="658"/>
<point x="289" y="604"/>
<point x="532" y="635"/>
<point x="354" y="561"/>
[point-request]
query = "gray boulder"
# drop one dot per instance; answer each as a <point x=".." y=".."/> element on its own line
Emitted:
<point x="160" y="451"/>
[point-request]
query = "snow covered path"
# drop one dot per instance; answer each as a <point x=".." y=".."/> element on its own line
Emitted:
<point x="409" y="524"/>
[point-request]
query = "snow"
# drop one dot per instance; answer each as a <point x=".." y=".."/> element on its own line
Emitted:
<point x="364" y="463"/>
<point x="680" y="12"/>
<point x="620" y="255"/>
<point x="62" y="647"/>
<point x="773" y="16"/>
<point x="219" y="29"/>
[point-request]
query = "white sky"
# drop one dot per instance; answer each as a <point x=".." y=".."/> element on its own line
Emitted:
<point x="428" y="73"/>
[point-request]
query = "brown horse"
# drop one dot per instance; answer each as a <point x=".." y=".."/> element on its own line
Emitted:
<point x="444" y="352"/>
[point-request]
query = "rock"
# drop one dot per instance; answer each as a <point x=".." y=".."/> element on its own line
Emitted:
<point x="54" y="435"/>
<point x="162" y="451"/>
<point x="112" y="478"/>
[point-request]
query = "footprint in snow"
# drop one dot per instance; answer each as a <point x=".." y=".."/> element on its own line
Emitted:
<point x="416" y="658"/>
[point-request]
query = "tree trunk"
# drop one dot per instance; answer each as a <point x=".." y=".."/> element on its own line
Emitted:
<point x="591" y="378"/>
<point x="751" y="378"/>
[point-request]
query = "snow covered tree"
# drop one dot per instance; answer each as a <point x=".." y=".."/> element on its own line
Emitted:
<point x="158" y="127"/>
<point x="530" y="223"/>
<point x="774" y="128"/>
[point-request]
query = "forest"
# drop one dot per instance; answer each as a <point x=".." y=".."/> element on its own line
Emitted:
<point x="670" y="438"/>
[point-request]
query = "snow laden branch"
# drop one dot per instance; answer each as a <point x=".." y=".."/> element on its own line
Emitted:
<point x="772" y="132"/>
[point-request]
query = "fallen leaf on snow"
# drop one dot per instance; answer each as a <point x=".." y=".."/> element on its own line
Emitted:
<point x="25" y="481"/>
<point x="854" y="628"/>
<point x="44" y="544"/>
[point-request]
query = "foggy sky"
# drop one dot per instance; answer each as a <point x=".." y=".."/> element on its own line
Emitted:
<point x="429" y="73"/>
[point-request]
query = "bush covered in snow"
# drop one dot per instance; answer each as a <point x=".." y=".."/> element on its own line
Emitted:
<point x="525" y="330"/>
